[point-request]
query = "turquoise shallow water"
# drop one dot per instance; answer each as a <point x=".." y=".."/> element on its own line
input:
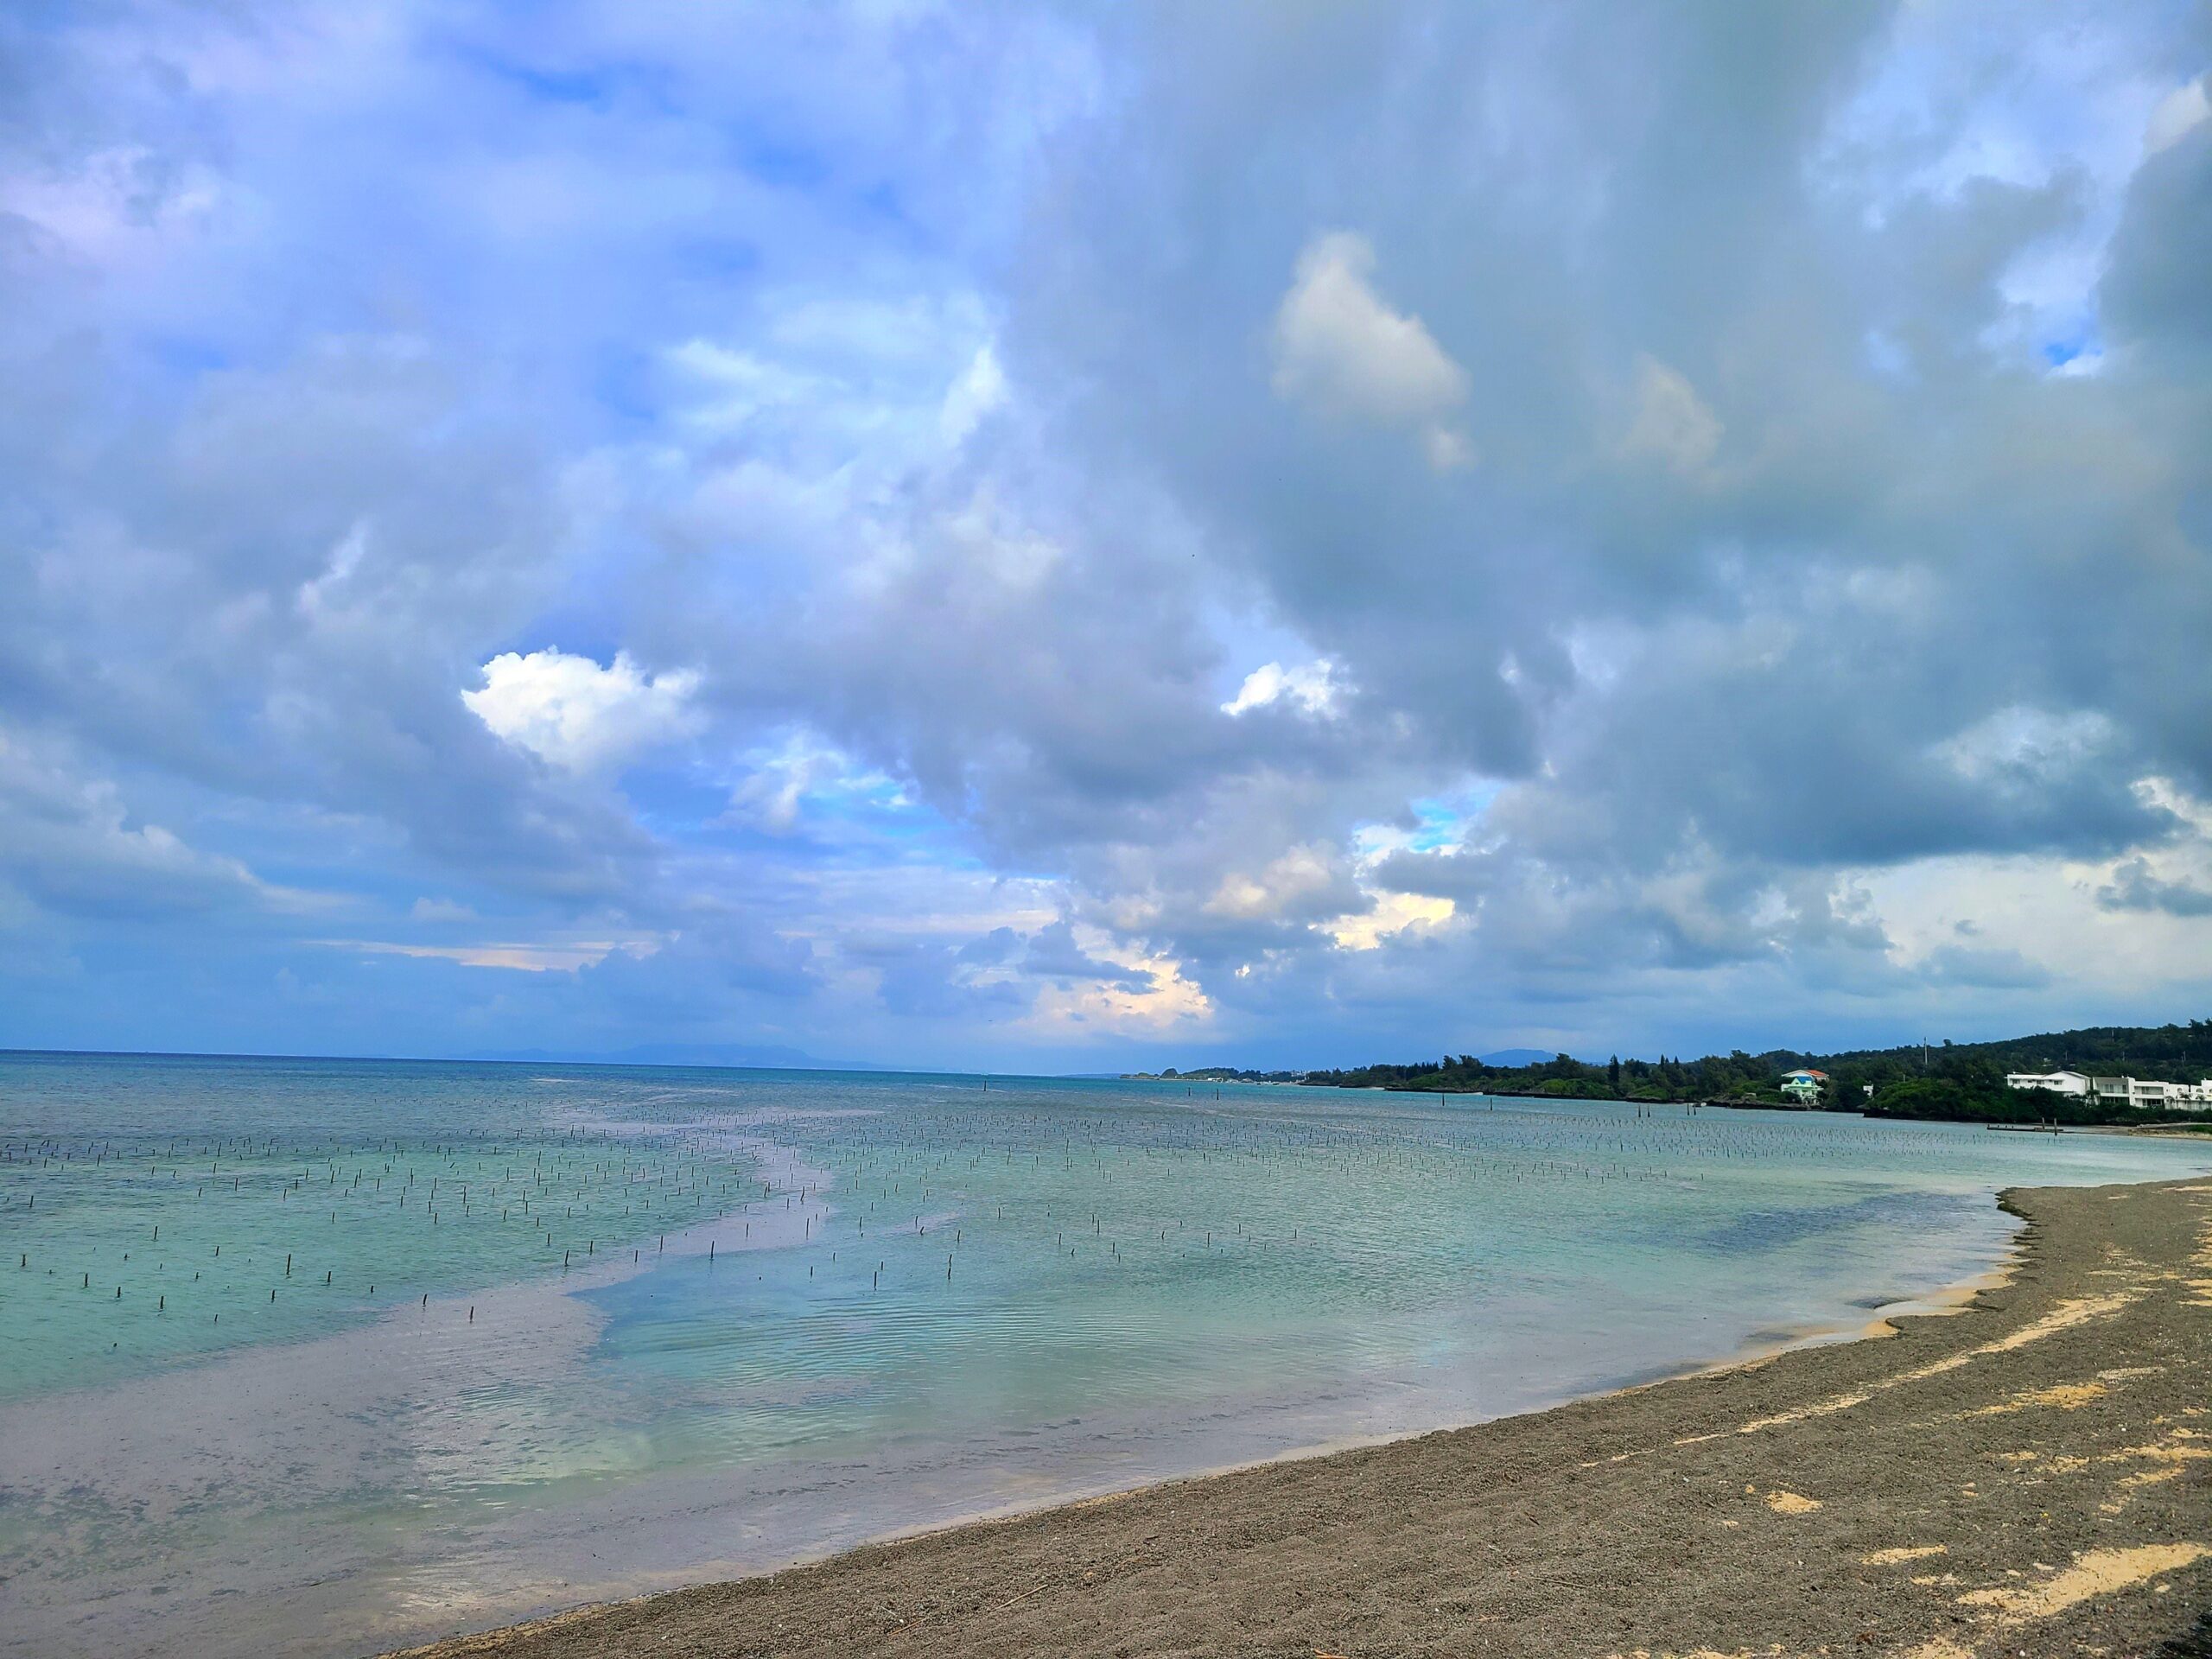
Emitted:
<point x="549" y="1332"/>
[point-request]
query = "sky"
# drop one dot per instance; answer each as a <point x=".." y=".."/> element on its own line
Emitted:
<point x="1073" y="537"/>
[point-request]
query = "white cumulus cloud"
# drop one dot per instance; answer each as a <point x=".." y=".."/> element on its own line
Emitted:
<point x="1672" y="424"/>
<point x="1311" y="686"/>
<point x="2177" y="114"/>
<point x="571" y="712"/>
<point x="1339" y="348"/>
<point x="981" y="389"/>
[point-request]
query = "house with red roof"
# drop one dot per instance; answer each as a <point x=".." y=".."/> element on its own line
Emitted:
<point x="1804" y="1085"/>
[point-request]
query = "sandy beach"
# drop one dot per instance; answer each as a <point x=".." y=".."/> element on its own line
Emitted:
<point x="2031" y="1474"/>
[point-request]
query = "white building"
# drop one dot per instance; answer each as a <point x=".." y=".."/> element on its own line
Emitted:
<point x="2168" y="1096"/>
<point x="2145" y="1094"/>
<point x="2055" y="1082"/>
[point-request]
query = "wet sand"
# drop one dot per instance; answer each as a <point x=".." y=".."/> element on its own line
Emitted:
<point x="2029" y="1475"/>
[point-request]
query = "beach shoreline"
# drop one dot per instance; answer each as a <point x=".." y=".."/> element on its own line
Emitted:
<point x="2048" y="1414"/>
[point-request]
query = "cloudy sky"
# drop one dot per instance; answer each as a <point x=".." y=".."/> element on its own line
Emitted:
<point x="1070" y="538"/>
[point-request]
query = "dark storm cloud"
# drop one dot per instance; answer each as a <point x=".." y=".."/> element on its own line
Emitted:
<point x="1870" y="586"/>
<point x="2138" y="888"/>
<point x="1455" y="600"/>
<point x="1054" y="954"/>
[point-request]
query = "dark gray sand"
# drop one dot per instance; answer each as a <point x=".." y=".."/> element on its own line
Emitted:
<point x="2032" y="1475"/>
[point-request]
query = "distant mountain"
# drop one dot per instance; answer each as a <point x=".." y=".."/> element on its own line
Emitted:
<point x="1517" y="1057"/>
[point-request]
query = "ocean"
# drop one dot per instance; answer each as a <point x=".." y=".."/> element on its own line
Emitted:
<point x="324" y="1356"/>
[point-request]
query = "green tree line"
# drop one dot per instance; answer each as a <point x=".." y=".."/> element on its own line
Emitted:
<point x="1936" y="1079"/>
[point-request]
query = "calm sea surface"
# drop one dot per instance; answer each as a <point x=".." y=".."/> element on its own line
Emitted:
<point x="322" y="1357"/>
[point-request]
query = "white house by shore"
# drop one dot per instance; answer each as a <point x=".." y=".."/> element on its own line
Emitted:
<point x="2053" y="1083"/>
<point x="2146" y="1094"/>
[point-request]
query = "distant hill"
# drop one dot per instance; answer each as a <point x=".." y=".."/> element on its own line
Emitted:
<point x="2178" y="1053"/>
<point x="1511" y="1057"/>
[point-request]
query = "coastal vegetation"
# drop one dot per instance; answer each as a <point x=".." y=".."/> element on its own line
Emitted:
<point x="1957" y="1081"/>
